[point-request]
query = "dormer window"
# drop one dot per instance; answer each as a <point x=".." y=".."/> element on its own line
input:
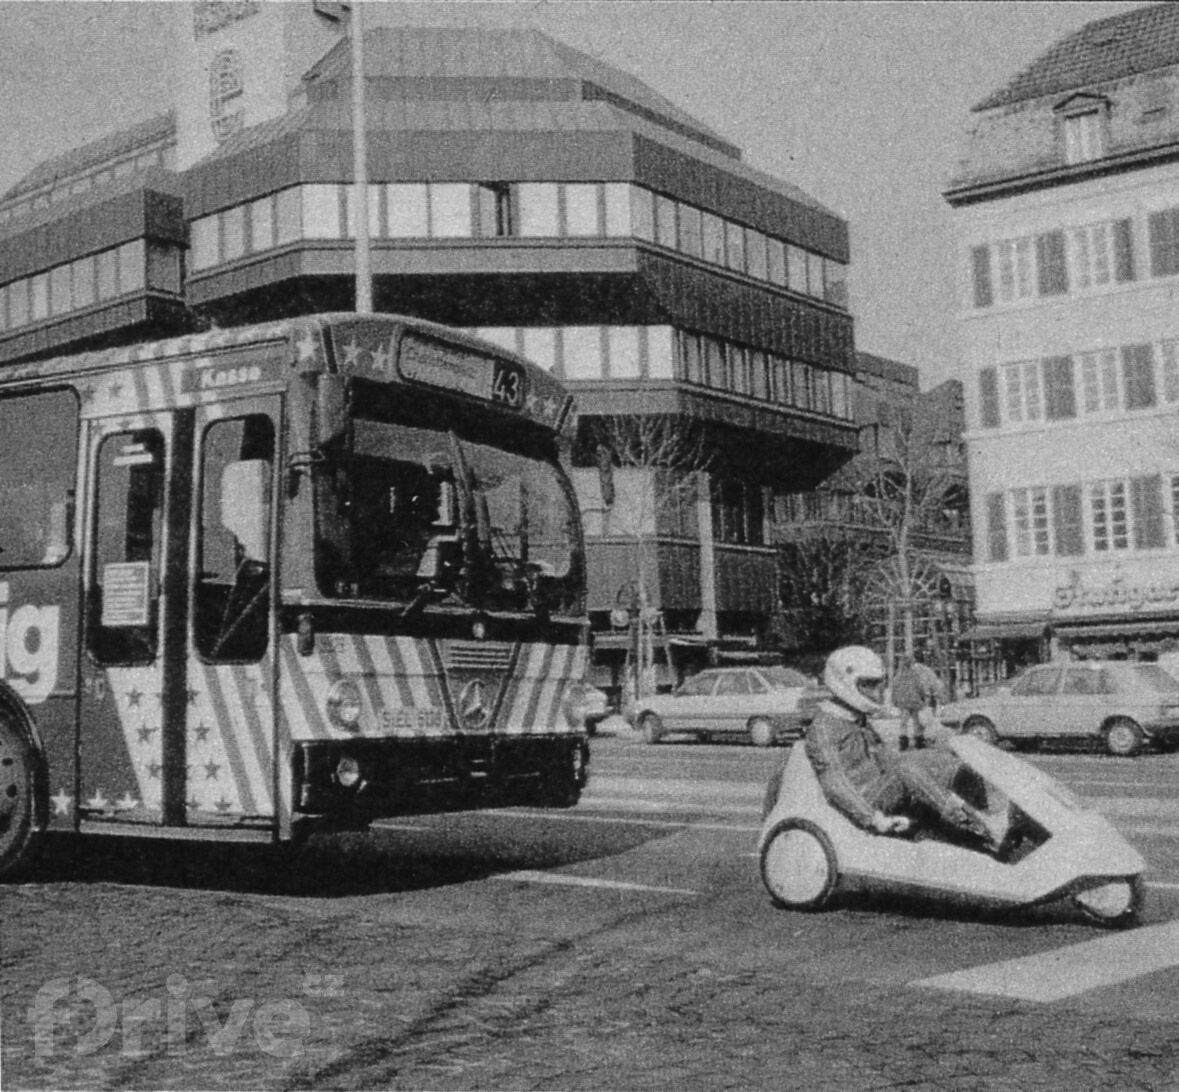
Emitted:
<point x="1083" y="127"/>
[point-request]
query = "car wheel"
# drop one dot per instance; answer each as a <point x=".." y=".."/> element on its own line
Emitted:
<point x="798" y="866"/>
<point x="18" y="786"/>
<point x="761" y="732"/>
<point x="1113" y="905"/>
<point x="651" y="727"/>
<point x="1123" y="737"/>
<point x="981" y="728"/>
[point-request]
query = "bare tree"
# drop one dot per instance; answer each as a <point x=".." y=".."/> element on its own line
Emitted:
<point x="903" y="486"/>
<point x="649" y="467"/>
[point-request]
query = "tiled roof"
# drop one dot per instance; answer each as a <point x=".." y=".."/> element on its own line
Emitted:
<point x="480" y="53"/>
<point x="1108" y="49"/>
<point x="78" y="160"/>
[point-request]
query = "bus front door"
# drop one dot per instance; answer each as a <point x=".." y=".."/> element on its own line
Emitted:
<point x="229" y="716"/>
<point x="130" y="723"/>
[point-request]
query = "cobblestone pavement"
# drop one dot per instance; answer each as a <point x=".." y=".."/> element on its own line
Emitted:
<point x="457" y="983"/>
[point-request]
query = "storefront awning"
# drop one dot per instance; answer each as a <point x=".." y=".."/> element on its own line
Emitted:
<point x="1000" y="631"/>
<point x="1139" y="628"/>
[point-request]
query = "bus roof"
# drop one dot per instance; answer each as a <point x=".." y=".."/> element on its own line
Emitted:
<point x="342" y="342"/>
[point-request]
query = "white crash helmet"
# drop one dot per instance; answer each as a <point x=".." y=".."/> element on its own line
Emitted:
<point x="847" y="671"/>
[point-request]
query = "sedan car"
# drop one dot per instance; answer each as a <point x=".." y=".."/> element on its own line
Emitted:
<point x="764" y="703"/>
<point x="1122" y="705"/>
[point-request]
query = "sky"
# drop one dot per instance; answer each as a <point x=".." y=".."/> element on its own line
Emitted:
<point x="862" y="105"/>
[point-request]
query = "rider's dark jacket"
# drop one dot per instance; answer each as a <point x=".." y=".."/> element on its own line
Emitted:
<point x="845" y="756"/>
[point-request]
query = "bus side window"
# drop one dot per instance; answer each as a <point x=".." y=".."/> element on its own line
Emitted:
<point x="38" y="456"/>
<point x="231" y="607"/>
<point x="128" y="532"/>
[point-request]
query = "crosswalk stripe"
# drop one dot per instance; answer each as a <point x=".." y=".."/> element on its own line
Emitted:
<point x="1064" y="972"/>
<point x="561" y="879"/>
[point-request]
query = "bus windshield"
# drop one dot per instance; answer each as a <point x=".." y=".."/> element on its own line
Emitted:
<point x="422" y="516"/>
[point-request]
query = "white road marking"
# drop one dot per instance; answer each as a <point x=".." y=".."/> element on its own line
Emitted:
<point x="559" y="878"/>
<point x="1064" y="972"/>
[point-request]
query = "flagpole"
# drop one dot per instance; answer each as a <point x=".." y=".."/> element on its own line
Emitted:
<point x="364" y="275"/>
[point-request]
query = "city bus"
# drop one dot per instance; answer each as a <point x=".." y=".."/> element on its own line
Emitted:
<point x="264" y="580"/>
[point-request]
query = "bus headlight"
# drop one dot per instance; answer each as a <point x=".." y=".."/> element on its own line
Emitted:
<point x="343" y="703"/>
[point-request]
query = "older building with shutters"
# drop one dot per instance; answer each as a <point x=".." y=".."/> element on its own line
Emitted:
<point x="517" y="188"/>
<point x="1066" y="199"/>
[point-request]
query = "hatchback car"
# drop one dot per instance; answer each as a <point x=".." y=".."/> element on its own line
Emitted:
<point x="766" y="704"/>
<point x="1124" y="706"/>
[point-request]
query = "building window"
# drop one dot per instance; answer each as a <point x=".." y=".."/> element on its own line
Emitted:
<point x="713" y="229"/>
<point x="625" y="357"/>
<point x="659" y="352"/>
<point x="642" y="213"/>
<point x="1099" y="380"/>
<point x="1138" y="369"/>
<point x="40" y="296"/>
<point x="691" y="357"/>
<point x="835" y="283"/>
<point x="691" y="231"/>
<point x="539" y="209"/>
<point x="540" y="346"/>
<point x="450" y="210"/>
<point x="233" y="233"/>
<point x="715" y="370"/>
<point x="407" y="210"/>
<point x="205" y="248"/>
<point x="1083" y="137"/>
<point x="163" y="270"/>
<point x="996" y="527"/>
<point x="60" y="292"/>
<point x="796" y="269"/>
<point x="18" y="303"/>
<point x="582" y="358"/>
<point x="582" y="213"/>
<point x="735" y="246"/>
<point x="980" y="268"/>
<point x="1021" y="384"/>
<point x="776" y="262"/>
<point x="755" y="254"/>
<point x="666" y="232"/>
<point x="618" y="206"/>
<point x="321" y="212"/>
<point x="1014" y="260"/>
<point x="1029" y="509"/>
<point x="261" y="225"/>
<point x="1107" y="502"/>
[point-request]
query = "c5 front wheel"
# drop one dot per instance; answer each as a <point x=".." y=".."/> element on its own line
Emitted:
<point x="798" y="866"/>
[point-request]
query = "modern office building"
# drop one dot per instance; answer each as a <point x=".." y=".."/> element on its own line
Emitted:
<point x="838" y="543"/>
<point x="1067" y="205"/>
<point x="518" y="188"/>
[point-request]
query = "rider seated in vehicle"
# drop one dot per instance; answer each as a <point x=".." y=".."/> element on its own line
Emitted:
<point x="873" y="785"/>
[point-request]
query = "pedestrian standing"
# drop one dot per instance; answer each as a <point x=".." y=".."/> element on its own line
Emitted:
<point x="907" y="696"/>
<point x="932" y="692"/>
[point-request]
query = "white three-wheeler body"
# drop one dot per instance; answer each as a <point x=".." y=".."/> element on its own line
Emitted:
<point x="1058" y="848"/>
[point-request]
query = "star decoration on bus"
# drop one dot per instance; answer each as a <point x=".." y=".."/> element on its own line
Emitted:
<point x="201" y="731"/>
<point x="153" y="770"/>
<point x="352" y="353"/>
<point x="305" y="346"/>
<point x="97" y="802"/>
<point x="62" y="801"/>
<point x="211" y="771"/>
<point x="126" y="802"/>
<point x="145" y="734"/>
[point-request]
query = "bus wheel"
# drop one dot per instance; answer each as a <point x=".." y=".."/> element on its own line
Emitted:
<point x="18" y="833"/>
<point x="560" y="785"/>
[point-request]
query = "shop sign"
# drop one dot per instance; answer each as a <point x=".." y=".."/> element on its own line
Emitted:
<point x="1118" y="594"/>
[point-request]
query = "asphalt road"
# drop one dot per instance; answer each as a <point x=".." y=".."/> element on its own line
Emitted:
<point x="624" y="944"/>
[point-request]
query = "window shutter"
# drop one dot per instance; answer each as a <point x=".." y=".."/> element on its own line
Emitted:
<point x="1146" y="510"/>
<point x="1066" y="519"/>
<point x="1138" y="372"/>
<point x="980" y="258"/>
<point x="1050" y="261"/>
<point x="1162" y="243"/>
<point x="996" y="527"/>
<point x="1060" y="399"/>
<point x="1123" y="251"/>
<point x="988" y="391"/>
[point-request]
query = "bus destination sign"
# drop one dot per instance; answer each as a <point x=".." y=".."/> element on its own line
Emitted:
<point x="448" y="366"/>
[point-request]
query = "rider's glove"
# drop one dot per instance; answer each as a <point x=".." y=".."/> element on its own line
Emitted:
<point x="889" y="824"/>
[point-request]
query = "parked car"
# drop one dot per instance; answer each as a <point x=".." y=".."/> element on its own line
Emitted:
<point x="765" y="703"/>
<point x="1125" y="706"/>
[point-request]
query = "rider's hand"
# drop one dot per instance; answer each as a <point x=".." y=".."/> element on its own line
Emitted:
<point x="890" y="824"/>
